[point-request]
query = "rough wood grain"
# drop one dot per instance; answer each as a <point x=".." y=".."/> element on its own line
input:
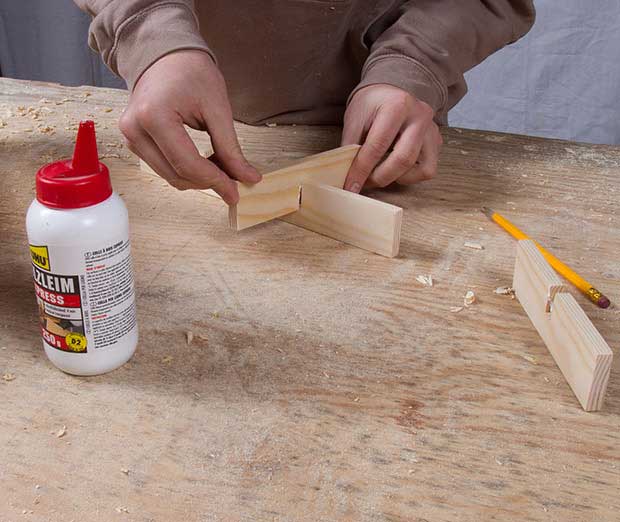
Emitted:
<point x="277" y="194"/>
<point x="576" y="345"/>
<point x="361" y="398"/>
<point x="351" y="218"/>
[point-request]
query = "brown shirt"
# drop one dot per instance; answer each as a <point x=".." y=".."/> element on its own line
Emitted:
<point x="299" y="61"/>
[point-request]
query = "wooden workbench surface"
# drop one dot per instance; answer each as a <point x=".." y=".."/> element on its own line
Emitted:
<point x="323" y="383"/>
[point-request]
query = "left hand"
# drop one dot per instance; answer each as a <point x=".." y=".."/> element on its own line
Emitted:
<point x="380" y="117"/>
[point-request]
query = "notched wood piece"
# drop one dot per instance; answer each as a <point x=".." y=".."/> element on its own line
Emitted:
<point x="577" y="347"/>
<point x="351" y="218"/>
<point x="278" y="193"/>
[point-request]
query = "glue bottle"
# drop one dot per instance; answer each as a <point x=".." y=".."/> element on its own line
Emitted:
<point x="78" y="230"/>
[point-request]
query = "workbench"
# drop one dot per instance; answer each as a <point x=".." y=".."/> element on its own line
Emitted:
<point x="322" y="383"/>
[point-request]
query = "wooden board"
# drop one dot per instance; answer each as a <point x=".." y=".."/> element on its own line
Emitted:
<point x="278" y="193"/>
<point x="351" y="218"/>
<point x="576" y="345"/>
<point x="323" y="383"/>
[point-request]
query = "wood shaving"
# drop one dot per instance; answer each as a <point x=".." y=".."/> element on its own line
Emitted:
<point x="61" y="432"/>
<point x="472" y="245"/>
<point x="189" y="336"/>
<point x="8" y="377"/>
<point x="425" y="280"/>
<point x="505" y="290"/>
<point x="61" y="102"/>
<point x="46" y="129"/>
<point x="456" y="309"/>
<point x="470" y="298"/>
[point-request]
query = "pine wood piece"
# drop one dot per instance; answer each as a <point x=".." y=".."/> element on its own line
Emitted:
<point x="278" y="193"/>
<point x="351" y="218"/>
<point x="578" y="348"/>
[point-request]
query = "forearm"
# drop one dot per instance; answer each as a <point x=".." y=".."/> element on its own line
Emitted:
<point x="433" y="43"/>
<point x="131" y="35"/>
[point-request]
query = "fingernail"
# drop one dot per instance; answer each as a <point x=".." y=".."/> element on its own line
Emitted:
<point x="355" y="188"/>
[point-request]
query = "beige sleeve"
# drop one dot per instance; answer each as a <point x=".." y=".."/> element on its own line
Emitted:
<point x="428" y="46"/>
<point x="131" y="35"/>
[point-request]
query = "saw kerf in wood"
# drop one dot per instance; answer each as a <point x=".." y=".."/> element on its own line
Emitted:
<point x="310" y="194"/>
<point x="578" y="348"/>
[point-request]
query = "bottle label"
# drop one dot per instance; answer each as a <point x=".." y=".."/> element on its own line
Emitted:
<point x="86" y="297"/>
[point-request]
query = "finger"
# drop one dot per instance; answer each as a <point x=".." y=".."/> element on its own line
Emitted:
<point x="143" y="146"/>
<point x="426" y="167"/>
<point x="354" y="128"/>
<point x="402" y="159"/>
<point x="227" y="148"/>
<point x="381" y="135"/>
<point x="181" y="152"/>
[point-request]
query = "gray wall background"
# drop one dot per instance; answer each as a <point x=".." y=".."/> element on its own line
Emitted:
<point x="562" y="80"/>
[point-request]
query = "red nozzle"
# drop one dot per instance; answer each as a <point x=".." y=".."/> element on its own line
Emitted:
<point x="79" y="182"/>
<point x="85" y="156"/>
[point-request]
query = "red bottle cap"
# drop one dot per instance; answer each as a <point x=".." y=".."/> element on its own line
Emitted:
<point x="78" y="182"/>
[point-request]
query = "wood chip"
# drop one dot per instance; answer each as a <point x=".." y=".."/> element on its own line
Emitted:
<point x="46" y="129"/>
<point x="456" y="309"/>
<point x="3" y="124"/>
<point x="473" y="245"/>
<point x="8" y="377"/>
<point x="470" y="298"/>
<point x="505" y="290"/>
<point x="189" y="336"/>
<point x="61" y="432"/>
<point x="167" y="359"/>
<point x="125" y="471"/>
<point x="529" y="358"/>
<point x="108" y="109"/>
<point x="271" y="124"/>
<point x="121" y="509"/>
<point x="425" y="280"/>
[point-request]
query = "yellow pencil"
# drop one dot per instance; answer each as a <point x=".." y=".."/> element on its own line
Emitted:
<point x="593" y="294"/>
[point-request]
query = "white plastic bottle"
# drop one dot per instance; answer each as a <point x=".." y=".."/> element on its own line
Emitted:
<point x="78" y="231"/>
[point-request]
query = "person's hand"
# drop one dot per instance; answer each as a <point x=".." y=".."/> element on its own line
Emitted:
<point x="382" y="117"/>
<point x="186" y="87"/>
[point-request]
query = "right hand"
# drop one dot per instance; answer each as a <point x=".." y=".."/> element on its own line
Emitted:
<point x="186" y="87"/>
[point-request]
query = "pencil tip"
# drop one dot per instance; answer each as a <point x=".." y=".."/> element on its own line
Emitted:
<point x="488" y="212"/>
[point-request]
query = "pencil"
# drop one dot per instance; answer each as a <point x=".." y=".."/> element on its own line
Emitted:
<point x="592" y="293"/>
